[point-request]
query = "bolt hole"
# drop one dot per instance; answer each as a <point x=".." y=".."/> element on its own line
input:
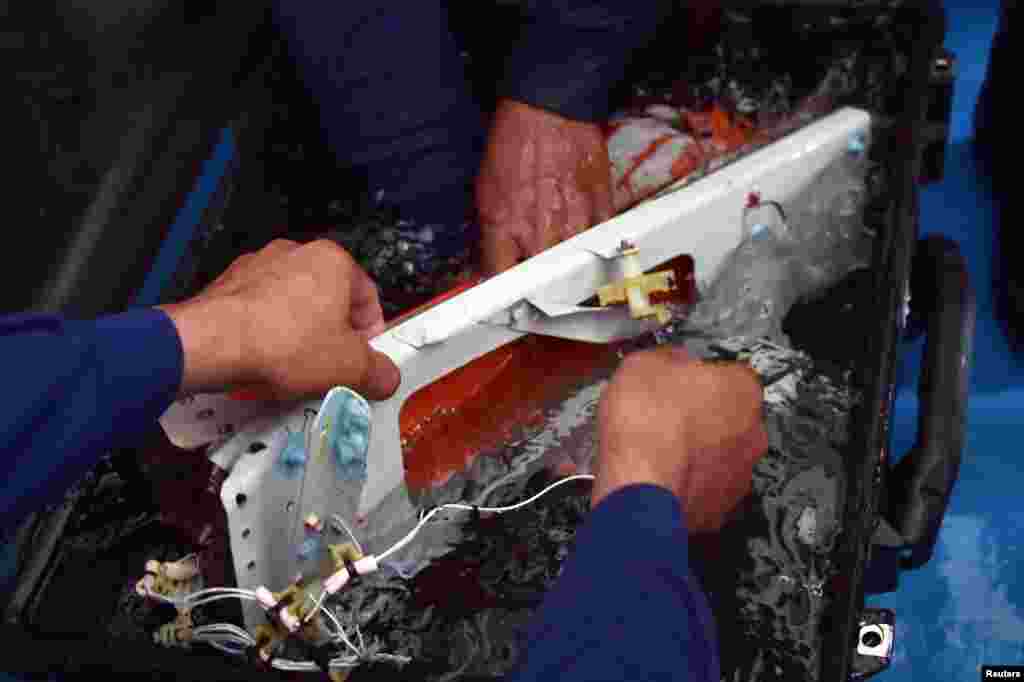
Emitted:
<point x="290" y="507"/>
<point x="251" y="565"/>
<point x="256" y="447"/>
<point x="871" y="639"/>
<point x="246" y="533"/>
<point x="240" y="499"/>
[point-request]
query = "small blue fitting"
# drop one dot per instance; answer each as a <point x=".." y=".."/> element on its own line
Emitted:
<point x="293" y="457"/>
<point x="309" y="547"/>
<point x="857" y="144"/>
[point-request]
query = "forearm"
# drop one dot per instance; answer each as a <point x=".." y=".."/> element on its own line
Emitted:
<point x="78" y="389"/>
<point x="573" y="53"/>
<point x="625" y="606"/>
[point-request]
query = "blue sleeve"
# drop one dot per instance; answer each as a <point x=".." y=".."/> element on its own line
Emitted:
<point x="394" y="99"/>
<point x="573" y="53"/>
<point x="626" y="606"/>
<point x="75" y="390"/>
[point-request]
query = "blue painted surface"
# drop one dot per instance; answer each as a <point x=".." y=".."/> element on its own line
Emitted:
<point x="187" y="220"/>
<point x="966" y="607"/>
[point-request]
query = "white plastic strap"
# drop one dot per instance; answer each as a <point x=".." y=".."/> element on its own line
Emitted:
<point x="368" y="564"/>
<point x="265" y="598"/>
<point x="336" y="581"/>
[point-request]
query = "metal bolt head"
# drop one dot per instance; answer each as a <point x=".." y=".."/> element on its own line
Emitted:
<point x="520" y="313"/>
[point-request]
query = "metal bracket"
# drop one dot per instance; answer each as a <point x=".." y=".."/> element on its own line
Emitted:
<point x="577" y="323"/>
<point x="876" y="641"/>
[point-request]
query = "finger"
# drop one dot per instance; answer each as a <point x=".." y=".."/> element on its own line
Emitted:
<point x="365" y="312"/>
<point x="274" y="250"/>
<point x="550" y="217"/>
<point x="277" y="246"/>
<point x="380" y="377"/>
<point x="578" y="212"/>
<point x="500" y="249"/>
<point x="602" y="196"/>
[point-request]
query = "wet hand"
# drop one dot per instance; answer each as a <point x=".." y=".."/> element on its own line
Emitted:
<point x="544" y="178"/>
<point x="691" y="427"/>
<point x="289" y="321"/>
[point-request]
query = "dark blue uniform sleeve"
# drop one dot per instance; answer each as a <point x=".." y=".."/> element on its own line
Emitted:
<point x="572" y="53"/>
<point x="626" y="606"/>
<point x="75" y="390"/>
<point x="394" y="99"/>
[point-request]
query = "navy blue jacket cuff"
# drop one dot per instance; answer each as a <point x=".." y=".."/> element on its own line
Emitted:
<point x="573" y="53"/>
<point x="84" y="388"/>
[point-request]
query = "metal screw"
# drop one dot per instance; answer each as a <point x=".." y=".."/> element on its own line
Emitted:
<point x="521" y="313"/>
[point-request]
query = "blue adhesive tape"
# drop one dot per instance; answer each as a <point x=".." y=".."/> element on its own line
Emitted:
<point x="349" y="434"/>
<point x="857" y="144"/>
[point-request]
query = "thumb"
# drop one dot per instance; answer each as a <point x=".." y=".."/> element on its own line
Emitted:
<point x="380" y="377"/>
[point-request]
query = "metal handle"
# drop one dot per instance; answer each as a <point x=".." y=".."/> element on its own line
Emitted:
<point x="921" y="483"/>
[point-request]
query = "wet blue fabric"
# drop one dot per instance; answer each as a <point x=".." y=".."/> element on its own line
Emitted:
<point x="574" y="52"/>
<point x="626" y="606"/>
<point x="74" y="390"/>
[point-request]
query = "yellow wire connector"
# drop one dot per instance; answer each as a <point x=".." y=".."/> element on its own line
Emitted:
<point x="636" y="288"/>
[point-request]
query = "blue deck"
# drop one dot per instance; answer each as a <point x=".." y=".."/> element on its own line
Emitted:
<point x="966" y="607"/>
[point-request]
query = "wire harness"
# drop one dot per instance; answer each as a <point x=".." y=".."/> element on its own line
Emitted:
<point x="292" y="612"/>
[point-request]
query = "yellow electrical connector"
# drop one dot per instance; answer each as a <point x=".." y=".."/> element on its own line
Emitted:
<point x="342" y="553"/>
<point x="636" y="287"/>
<point x="176" y="633"/>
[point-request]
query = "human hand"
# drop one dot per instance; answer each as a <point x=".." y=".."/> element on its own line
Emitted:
<point x="694" y="428"/>
<point x="290" y="321"/>
<point x="543" y="179"/>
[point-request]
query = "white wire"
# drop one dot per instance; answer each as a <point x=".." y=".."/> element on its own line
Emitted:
<point x="221" y="646"/>
<point x="217" y="634"/>
<point x="341" y="631"/>
<point x="337" y="518"/>
<point x="465" y="507"/>
<point x="221" y="597"/>
<point x="224" y="628"/>
<point x="359" y="634"/>
<point x="185" y="601"/>
<point x="520" y="505"/>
